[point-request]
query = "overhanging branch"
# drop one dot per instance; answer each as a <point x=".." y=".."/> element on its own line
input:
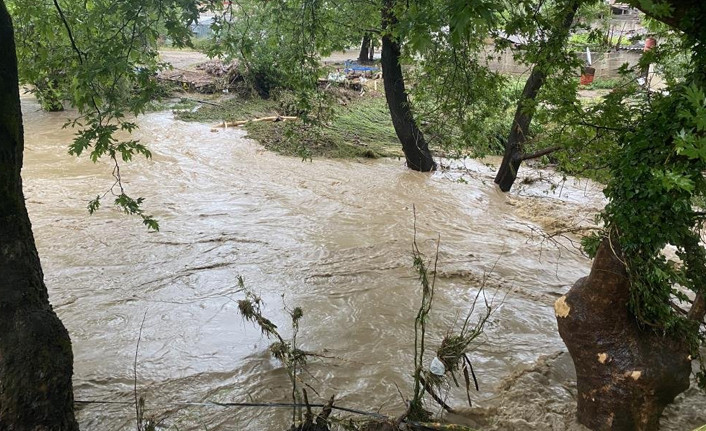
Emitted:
<point x="541" y="153"/>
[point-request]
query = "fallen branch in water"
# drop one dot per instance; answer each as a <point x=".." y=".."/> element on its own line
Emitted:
<point x="274" y="119"/>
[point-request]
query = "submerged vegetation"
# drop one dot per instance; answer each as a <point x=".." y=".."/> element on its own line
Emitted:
<point x="452" y="357"/>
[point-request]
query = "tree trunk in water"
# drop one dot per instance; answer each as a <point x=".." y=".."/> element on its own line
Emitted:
<point x="35" y="350"/>
<point x="415" y="148"/>
<point x="626" y="374"/>
<point x="513" y="157"/>
<point x="364" y="48"/>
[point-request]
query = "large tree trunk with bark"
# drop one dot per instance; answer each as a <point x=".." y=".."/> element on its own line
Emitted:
<point x="514" y="152"/>
<point x="626" y="374"/>
<point x="35" y="350"/>
<point x="416" y="150"/>
<point x="364" y="49"/>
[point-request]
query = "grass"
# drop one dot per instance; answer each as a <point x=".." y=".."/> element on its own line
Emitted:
<point x="603" y="84"/>
<point x="362" y="128"/>
<point x="583" y="40"/>
<point x="232" y="109"/>
<point x="366" y="123"/>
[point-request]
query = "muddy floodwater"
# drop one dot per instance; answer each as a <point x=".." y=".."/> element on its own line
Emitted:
<point x="332" y="237"/>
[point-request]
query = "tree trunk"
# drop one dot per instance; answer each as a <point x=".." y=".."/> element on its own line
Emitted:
<point x="512" y="158"/>
<point x="364" y="49"/>
<point x="514" y="153"/>
<point x="415" y="148"/>
<point x="35" y="350"/>
<point x="626" y="374"/>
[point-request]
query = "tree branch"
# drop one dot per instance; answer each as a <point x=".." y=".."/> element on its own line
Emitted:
<point x="541" y="153"/>
<point x="68" y="30"/>
<point x="612" y="129"/>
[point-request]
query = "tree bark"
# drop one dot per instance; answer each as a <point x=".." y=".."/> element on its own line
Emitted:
<point x="364" y="49"/>
<point x="35" y="350"/>
<point x="513" y="157"/>
<point x="414" y="145"/>
<point x="626" y="374"/>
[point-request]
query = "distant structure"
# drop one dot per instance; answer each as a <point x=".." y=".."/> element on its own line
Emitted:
<point x="622" y="9"/>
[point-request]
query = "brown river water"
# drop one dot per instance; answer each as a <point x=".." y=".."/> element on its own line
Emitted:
<point x="333" y="237"/>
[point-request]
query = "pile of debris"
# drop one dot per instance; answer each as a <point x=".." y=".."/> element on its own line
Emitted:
<point x="209" y="77"/>
<point x="218" y="69"/>
<point x="353" y="76"/>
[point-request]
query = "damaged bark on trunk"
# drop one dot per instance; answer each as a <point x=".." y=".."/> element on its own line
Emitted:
<point x="414" y="146"/>
<point x="626" y="374"/>
<point x="35" y="350"/>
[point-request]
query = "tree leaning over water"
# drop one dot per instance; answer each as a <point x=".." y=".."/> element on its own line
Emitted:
<point x="36" y="361"/>
<point x="547" y="59"/>
<point x="415" y="147"/>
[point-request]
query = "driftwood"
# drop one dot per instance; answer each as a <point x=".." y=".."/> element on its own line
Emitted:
<point x="227" y="124"/>
<point x="209" y="77"/>
<point x="189" y="80"/>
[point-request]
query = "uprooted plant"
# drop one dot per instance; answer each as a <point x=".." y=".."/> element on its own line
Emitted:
<point x="452" y="355"/>
<point x="292" y="358"/>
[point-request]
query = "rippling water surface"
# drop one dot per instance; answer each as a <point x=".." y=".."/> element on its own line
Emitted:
<point x="333" y="237"/>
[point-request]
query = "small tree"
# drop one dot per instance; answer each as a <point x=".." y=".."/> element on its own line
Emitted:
<point x="548" y="59"/>
<point x="414" y="145"/>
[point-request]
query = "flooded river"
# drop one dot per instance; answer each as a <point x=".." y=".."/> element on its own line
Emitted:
<point x="333" y="237"/>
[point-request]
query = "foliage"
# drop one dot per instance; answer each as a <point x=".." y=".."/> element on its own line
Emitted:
<point x="279" y="42"/>
<point x="652" y="205"/>
<point x="101" y="56"/>
<point x="593" y="40"/>
<point x="588" y="130"/>
<point x="463" y="105"/>
<point x="466" y="106"/>
<point x="655" y="183"/>
<point x="604" y="84"/>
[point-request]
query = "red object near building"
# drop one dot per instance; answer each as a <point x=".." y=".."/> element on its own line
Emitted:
<point x="587" y="75"/>
<point x="650" y="43"/>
